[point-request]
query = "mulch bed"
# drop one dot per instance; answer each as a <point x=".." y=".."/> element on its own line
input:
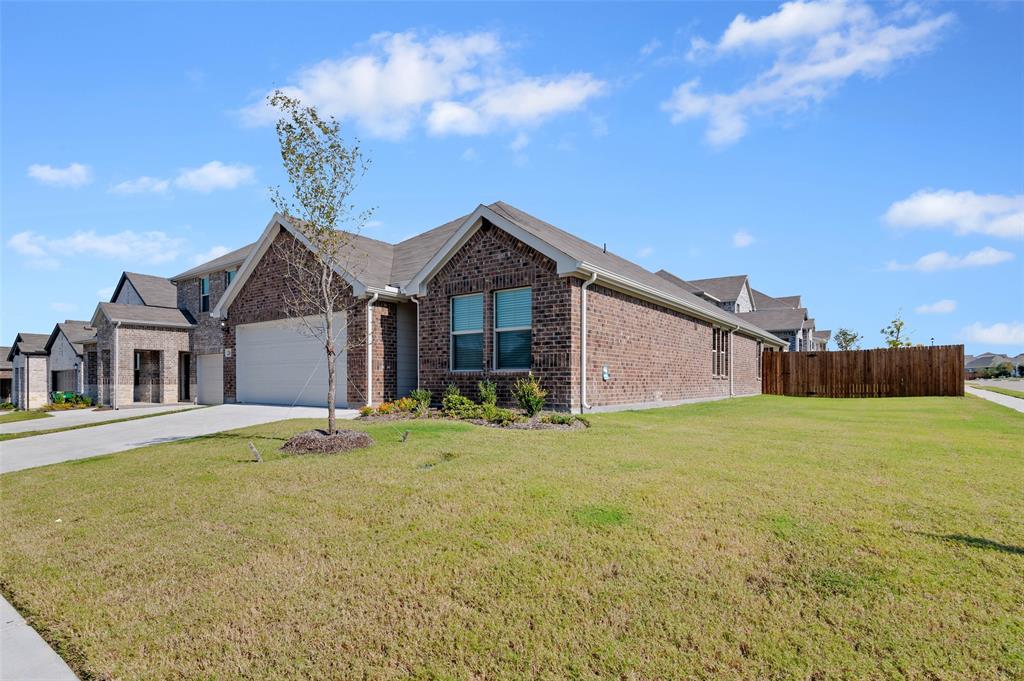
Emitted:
<point x="319" y="442"/>
<point x="531" y="424"/>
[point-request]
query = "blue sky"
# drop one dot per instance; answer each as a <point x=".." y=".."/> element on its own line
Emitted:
<point x="867" y="157"/>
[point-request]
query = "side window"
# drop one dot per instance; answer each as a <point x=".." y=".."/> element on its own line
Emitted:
<point x="714" y="350"/>
<point x="204" y="294"/>
<point x="467" y="333"/>
<point x="513" y="331"/>
<point x="229" y="277"/>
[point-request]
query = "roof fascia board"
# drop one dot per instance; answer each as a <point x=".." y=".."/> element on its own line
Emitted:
<point x="418" y="284"/>
<point x="262" y="246"/>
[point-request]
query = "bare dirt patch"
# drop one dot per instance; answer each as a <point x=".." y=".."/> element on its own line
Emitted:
<point x="319" y="442"/>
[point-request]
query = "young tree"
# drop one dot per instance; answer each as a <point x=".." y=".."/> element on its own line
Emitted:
<point x="847" y="339"/>
<point x="896" y="334"/>
<point x="323" y="171"/>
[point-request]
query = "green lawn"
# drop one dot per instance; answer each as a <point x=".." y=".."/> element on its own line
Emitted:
<point x="1001" y="391"/>
<point x="13" y="416"/>
<point x="767" y="537"/>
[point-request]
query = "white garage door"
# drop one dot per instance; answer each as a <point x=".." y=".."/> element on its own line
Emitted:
<point x="210" y="377"/>
<point x="280" y="363"/>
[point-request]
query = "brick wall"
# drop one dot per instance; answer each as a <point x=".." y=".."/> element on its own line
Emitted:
<point x="263" y="298"/>
<point x="208" y="336"/>
<point x="168" y="342"/>
<point x="492" y="260"/>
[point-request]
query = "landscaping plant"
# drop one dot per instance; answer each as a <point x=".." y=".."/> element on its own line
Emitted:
<point x="488" y="392"/>
<point x="529" y="394"/>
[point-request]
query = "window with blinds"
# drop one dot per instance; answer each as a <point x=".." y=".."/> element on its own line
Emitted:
<point x="467" y="332"/>
<point x="720" y="339"/>
<point x="204" y="294"/>
<point x="513" y="328"/>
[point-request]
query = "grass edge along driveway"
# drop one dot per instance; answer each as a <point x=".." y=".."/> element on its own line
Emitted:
<point x="31" y="433"/>
<point x="762" y="537"/>
<point x="22" y="415"/>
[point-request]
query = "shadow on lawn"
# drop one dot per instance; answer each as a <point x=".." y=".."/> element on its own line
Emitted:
<point x="976" y="542"/>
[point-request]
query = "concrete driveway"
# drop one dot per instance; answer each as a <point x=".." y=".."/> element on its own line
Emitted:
<point x="42" y="450"/>
<point x="80" y="417"/>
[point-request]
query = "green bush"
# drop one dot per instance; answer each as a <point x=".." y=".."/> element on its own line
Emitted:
<point x="529" y="394"/>
<point x="455" y="404"/>
<point x="565" y="419"/>
<point x="498" y="415"/>
<point x="57" y="398"/>
<point x="488" y="392"/>
<point x="7" y="406"/>
<point x="422" y="398"/>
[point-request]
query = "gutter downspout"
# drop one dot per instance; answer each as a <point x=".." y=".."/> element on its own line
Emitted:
<point x="583" y="341"/>
<point x="117" y="357"/>
<point x="416" y="300"/>
<point x="369" y="349"/>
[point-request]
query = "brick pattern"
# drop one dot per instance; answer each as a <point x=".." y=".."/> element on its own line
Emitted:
<point x="161" y="377"/>
<point x="492" y="260"/>
<point x="208" y="336"/>
<point x="263" y="299"/>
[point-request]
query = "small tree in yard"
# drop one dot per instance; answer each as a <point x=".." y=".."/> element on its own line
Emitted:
<point x="847" y="339"/>
<point x="896" y="334"/>
<point x="323" y="171"/>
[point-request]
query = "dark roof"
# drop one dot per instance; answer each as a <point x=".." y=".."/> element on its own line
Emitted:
<point x="235" y="257"/>
<point x="780" y="319"/>
<point x="726" y="289"/>
<point x="987" y="360"/>
<point x="791" y="301"/>
<point x="4" y="362"/>
<point x="76" y="331"/>
<point x="28" y="344"/>
<point x="678" y="281"/>
<point x="763" y="301"/>
<point x="153" y="290"/>
<point x="146" y="315"/>
<point x="823" y="334"/>
<point x="412" y="254"/>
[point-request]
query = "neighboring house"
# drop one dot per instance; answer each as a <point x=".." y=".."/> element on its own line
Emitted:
<point x="784" y="317"/>
<point x="986" y="360"/>
<point x="28" y="364"/>
<point x="495" y="294"/>
<point x="66" y="352"/>
<point x="6" y="375"/>
<point x="821" y="339"/>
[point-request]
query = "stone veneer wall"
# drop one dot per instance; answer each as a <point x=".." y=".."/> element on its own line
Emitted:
<point x="167" y="341"/>
<point x="492" y="260"/>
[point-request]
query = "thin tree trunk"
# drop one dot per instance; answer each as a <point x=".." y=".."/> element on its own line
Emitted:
<point x="331" y="386"/>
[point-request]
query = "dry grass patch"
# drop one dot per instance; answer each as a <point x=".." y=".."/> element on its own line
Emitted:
<point x="757" y="538"/>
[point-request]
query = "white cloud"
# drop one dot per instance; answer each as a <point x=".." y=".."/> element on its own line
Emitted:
<point x="698" y="48"/>
<point x="459" y="83"/>
<point x="215" y="252"/>
<point x="63" y="308"/>
<point x="944" y="306"/>
<point x="75" y="175"/>
<point x="650" y="47"/>
<point x="43" y="252"/>
<point x="105" y="293"/>
<point x="962" y="212"/>
<point x="818" y="47"/>
<point x="742" y="239"/>
<point x="520" y="142"/>
<point x="1002" y="333"/>
<point x="470" y="155"/>
<point x="645" y="252"/>
<point x="213" y="176"/>
<point x="141" y="185"/>
<point x="941" y="260"/>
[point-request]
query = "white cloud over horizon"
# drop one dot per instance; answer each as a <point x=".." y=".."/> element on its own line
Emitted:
<point x="43" y="252"/>
<point x="944" y="306"/>
<point x="447" y="83"/>
<point x="215" y="175"/>
<point x="1000" y="333"/>
<point x="74" y="175"/>
<point x="817" y="46"/>
<point x="963" y="212"/>
<point x="141" y="185"/>
<point x="742" y="239"/>
<point x="941" y="260"/>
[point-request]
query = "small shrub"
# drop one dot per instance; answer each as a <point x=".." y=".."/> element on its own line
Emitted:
<point x="564" y="419"/>
<point x="385" y="407"/>
<point x="488" y="392"/>
<point x="529" y="394"/>
<point x="58" y="398"/>
<point x="453" y="402"/>
<point x="499" y="416"/>
<point x="422" y="398"/>
<point x="404" y="404"/>
<point x="7" y="406"/>
<point x="367" y="411"/>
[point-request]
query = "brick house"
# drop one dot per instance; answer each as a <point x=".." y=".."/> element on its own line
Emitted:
<point x="27" y="356"/>
<point x="65" y="351"/>
<point x="6" y="375"/>
<point x="494" y="294"/>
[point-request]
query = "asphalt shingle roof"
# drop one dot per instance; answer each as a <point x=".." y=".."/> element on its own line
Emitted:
<point x="154" y="291"/>
<point x="29" y="344"/>
<point x="726" y="289"/>
<point x="4" y="362"/>
<point x="780" y="319"/>
<point x="76" y="331"/>
<point x="146" y="315"/>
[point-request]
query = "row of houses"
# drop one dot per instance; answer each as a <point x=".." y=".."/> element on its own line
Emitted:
<point x="980" y="365"/>
<point x="494" y="294"/>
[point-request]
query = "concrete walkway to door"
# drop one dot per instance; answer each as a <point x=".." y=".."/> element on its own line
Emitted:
<point x="42" y="450"/>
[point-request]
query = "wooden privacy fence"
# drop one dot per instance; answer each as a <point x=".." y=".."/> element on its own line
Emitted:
<point x="899" y="372"/>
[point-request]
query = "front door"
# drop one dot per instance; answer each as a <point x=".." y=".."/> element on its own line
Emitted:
<point x="184" y="377"/>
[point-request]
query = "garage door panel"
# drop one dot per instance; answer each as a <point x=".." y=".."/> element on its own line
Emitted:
<point x="279" y="362"/>
<point x="210" y="378"/>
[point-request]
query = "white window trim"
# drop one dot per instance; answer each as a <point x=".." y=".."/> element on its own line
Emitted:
<point x="452" y="334"/>
<point x="204" y="295"/>
<point x="495" y="330"/>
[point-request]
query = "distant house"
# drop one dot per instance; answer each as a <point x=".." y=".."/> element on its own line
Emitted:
<point x="6" y="374"/>
<point x="821" y="339"/>
<point x="30" y="383"/>
<point x="66" y="352"/>
<point x="977" y="365"/>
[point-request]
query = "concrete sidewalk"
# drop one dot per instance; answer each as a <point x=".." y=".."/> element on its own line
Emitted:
<point x="24" y="655"/>
<point x="78" y="417"/>
<point x="42" y="450"/>
<point x="1005" y="400"/>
